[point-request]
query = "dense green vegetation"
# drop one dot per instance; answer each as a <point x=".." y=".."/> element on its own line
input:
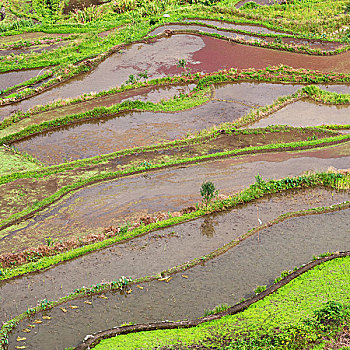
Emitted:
<point x="308" y="311"/>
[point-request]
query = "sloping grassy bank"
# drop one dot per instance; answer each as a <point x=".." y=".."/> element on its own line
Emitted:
<point x="309" y="310"/>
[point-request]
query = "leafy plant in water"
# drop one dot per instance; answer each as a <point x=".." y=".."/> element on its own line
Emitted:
<point x="45" y="304"/>
<point x="259" y="289"/>
<point x="49" y="241"/>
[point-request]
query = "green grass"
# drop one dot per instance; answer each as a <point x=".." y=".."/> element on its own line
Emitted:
<point x="286" y="308"/>
<point x="11" y="162"/>
<point x="307" y="16"/>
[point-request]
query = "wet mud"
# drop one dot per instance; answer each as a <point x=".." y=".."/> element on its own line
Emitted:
<point x="160" y="58"/>
<point x="114" y="202"/>
<point x="256" y="262"/>
<point x="307" y="113"/>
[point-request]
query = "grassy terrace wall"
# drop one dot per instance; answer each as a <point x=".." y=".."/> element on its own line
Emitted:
<point x="89" y="54"/>
<point x="38" y="261"/>
<point x="103" y="287"/>
<point x="208" y="322"/>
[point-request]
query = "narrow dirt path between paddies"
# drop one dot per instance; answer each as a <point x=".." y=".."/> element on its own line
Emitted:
<point x="109" y="203"/>
<point x="157" y="251"/>
<point x="307" y="112"/>
<point x="160" y="58"/>
<point x="225" y="279"/>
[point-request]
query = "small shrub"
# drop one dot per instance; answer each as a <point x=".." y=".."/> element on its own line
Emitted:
<point x="332" y="312"/>
<point x="208" y="192"/>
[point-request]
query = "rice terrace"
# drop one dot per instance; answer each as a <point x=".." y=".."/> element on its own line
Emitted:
<point x="175" y="174"/>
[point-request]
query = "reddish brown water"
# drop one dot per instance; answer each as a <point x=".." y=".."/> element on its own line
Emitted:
<point x="203" y="54"/>
<point x="244" y="56"/>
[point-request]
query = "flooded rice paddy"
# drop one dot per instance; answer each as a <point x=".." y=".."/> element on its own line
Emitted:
<point x="258" y="260"/>
<point x="314" y="44"/>
<point x="152" y="94"/>
<point x="307" y="113"/>
<point x="126" y="130"/>
<point x="236" y="274"/>
<point x="157" y="251"/>
<point x="133" y="129"/>
<point x="235" y="26"/>
<point x="101" y="205"/>
<point x="13" y="78"/>
<point x="160" y="58"/>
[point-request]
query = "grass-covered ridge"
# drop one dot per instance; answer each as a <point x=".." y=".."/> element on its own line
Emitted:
<point x="283" y="320"/>
<point x="257" y="190"/>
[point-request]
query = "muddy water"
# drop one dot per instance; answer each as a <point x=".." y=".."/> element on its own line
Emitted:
<point x="307" y="113"/>
<point x="105" y="204"/>
<point x="157" y="251"/>
<point x="107" y="135"/>
<point x="315" y="44"/>
<point x="225" y="279"/>
<point x="235" y="26"/>
<point x="152" y="94"/>
<point x="32" y="49"/>
<point x="255" y="94"/>
<point x="126" y="130"/>
<point x="80" y="4"/>
<point x="161" y="57"/>
<point x="29" y="36"/>
<point x="14" y="78"/>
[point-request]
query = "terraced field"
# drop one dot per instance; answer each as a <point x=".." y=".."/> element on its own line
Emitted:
<point x="114" y="116"/>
